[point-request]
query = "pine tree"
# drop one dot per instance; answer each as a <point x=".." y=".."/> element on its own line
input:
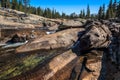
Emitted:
<point x="49" y="13"/>
<point x="110" y="12"/>
<point x="14" y="4"/>
<point x="53" y="13"/>
<point x="57" y="15"/>
<point x="45" y="13"/>
<point x="63" y="15"/>
<point x="33" y="10"/>
<point x="83" y="13"/>
<point x="110" y="4"/>
<point x="103" y="12"/>
<point x="3" y="3"/>
<point x="20" y="5"/>
<point x="93" y="16"/>
<point x="39" y="11"/>
<point x="118" y="10"/>
<point x="88" y="12"/>
<point x="0" y="3"/>
<point x="100" y="12"/>
<point x="115" y="7"/>
<point x="26" y="5"/>
<point x="7" y="3"/>
<point x="73" y="15"/>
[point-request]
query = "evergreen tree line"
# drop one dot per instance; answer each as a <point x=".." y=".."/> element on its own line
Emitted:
<point x="15" y="4"/>
<point x="113" y="10"/>
<point x="24" y="6"/>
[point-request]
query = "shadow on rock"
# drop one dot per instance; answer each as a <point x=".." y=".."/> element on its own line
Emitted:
<point x="91" y="45"/>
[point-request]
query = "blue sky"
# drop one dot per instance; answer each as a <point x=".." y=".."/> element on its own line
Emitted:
<point x="70" y="6"/>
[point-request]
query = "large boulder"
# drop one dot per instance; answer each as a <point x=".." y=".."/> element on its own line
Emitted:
<point x="96" y="35"/>
<point x="100" y="37"/>
<point x="62" y="39"/>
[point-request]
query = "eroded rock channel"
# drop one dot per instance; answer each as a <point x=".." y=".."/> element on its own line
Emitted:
<point x="90" y="51"/>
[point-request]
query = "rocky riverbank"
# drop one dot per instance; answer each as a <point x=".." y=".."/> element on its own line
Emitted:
<point x="58" y="49"/>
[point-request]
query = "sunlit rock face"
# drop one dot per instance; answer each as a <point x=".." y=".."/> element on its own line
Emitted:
<point x="96" y="35"/>
<point x="59" y="67"/>
<point x="62" y="39"/>
<point x="67" y="24"/>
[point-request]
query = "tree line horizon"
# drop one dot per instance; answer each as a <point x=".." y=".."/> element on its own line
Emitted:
<point x="112" y="11"/>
